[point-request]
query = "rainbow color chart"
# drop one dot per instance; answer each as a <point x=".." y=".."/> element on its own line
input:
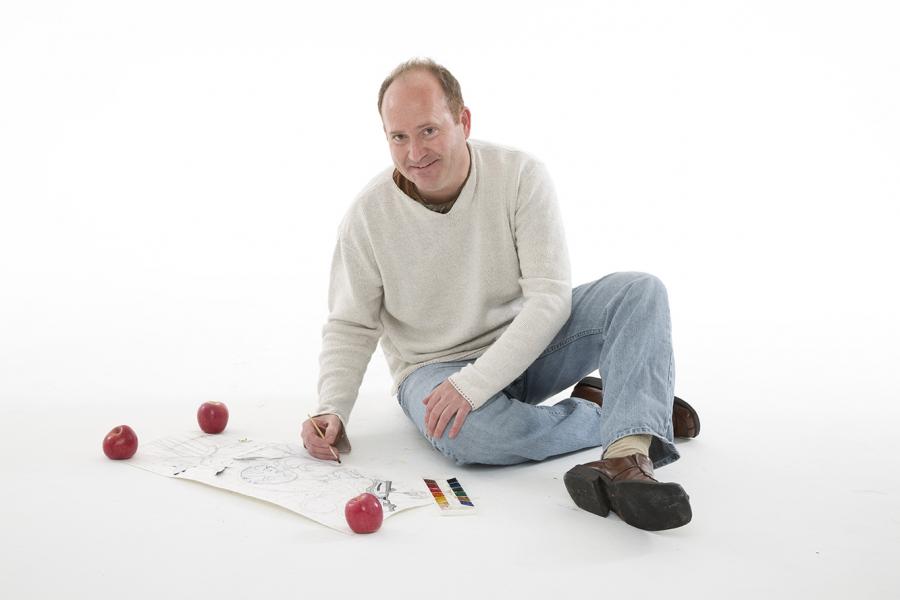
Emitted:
<point x="450" y="496"/>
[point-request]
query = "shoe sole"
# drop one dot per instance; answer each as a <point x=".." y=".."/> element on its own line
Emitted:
<point x="677" y="405"/>
<point x="646" y="505"/>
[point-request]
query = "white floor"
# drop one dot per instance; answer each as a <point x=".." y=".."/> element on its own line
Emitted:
<point x="793" y="497"/>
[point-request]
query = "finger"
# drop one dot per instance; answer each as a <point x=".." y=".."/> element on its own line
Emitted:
<point x="318" y="445"/>
<point x="307" y="434"/>
<point x="445" y="417"/>
<point x="323" y="424"/>
<point x="308" y="428"/>
<point x="432" y="417"/>
<point x="316" y="441"/>
<point x="431" y="403"/>
<point x="311" y="439"/>
<point x="323" y="447"/>
<point x="327" y="454"/>
<point x="322" y="454"/>
<point x="461" y="415"/>
<point x="428" y="407"/>
<point x="332" y="431"/>
<point x="310" y="448"/>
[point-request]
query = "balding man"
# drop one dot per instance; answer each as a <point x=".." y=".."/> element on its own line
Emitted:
<point x="455" y="259"/>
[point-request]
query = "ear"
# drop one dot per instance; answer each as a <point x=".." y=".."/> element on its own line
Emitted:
<point x="465" y="117"/>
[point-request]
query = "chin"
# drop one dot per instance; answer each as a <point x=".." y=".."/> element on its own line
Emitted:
<point x="421" y="185"/>
<point x="426" y="189"/>
<point x="411" y="177"/>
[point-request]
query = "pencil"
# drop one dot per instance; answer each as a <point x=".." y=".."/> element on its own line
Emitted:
<point x="322" y="435"/>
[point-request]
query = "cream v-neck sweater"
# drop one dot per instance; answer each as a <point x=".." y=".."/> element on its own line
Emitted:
<point x="489" y="279"/>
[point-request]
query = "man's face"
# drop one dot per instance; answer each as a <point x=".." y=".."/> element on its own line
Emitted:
<point x="427" y="145"/>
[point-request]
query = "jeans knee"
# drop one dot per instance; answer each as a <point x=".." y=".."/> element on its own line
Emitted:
<point x="478" y="442"/>
<point x="463" y="449"/>
<point x="645" y="283"/>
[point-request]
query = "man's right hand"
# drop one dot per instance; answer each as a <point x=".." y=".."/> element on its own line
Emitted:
<point x="315" y="445"/>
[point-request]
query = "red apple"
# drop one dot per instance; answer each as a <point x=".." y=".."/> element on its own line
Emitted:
<point x="212" y="417"/>
<point x="364" y="513"/>
<point x="120" y="443"/>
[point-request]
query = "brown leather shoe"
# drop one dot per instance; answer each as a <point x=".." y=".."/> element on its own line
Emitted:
<point x="627" y="487"/>
<point x="685" y="420"/>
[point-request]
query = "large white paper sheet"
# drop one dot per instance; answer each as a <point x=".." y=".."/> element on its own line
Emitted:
<point x="281" y="473"/>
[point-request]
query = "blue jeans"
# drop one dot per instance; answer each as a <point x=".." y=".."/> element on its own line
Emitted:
<point x="620" y="325"/>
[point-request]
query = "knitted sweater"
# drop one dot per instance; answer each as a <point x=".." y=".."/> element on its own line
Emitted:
<point x="489" y="279"/>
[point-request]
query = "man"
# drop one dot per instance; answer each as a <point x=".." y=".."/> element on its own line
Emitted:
<point x="456" y="260"/>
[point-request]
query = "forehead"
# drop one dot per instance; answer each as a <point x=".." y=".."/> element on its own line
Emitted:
<point x="411" y="100"/>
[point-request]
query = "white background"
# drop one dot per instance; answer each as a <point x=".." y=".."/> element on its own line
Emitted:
<point x="172" y="175"/>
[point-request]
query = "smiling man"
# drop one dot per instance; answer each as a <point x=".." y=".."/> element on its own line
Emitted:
<point x="427" y="138"/>
<point x="455" y="259"/>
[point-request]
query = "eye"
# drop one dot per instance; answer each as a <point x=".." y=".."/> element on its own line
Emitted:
<point x="399" y="137"/>
<point x="429" y="131"/>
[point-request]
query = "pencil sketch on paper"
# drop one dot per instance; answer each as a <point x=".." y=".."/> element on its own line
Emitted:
<point x="283" y="474"/>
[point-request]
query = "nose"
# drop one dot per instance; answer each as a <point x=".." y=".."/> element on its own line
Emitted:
<point x="417" y="151"/>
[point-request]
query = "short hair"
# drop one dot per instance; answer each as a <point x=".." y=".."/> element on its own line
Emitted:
<point x="452" y="91"/>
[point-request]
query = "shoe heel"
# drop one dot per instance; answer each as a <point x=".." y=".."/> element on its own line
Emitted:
<point x="583" y="485"/>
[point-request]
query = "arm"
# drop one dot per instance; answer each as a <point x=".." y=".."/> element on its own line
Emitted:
<point x="546" y="287"/>
<point x="350" y="334"/>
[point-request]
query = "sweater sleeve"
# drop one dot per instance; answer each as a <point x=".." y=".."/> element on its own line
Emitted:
<point x="546" y="286"/>
<point x="353" y="327"/>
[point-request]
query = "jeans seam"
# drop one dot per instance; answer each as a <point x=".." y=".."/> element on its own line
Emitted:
<point x="641" y="429"/>
<point x="569" y="340"/>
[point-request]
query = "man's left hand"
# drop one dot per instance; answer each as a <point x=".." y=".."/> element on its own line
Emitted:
<point x="440" y="406"/>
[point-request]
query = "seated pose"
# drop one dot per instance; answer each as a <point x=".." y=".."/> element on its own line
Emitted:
<point x="456" y="260"/>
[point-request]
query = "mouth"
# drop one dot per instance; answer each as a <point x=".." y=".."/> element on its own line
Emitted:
<point x="423" y="167"/>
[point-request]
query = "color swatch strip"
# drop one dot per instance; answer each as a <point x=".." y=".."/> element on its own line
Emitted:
<point x="461" y="494"/>
<point x="437" y="493"/>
